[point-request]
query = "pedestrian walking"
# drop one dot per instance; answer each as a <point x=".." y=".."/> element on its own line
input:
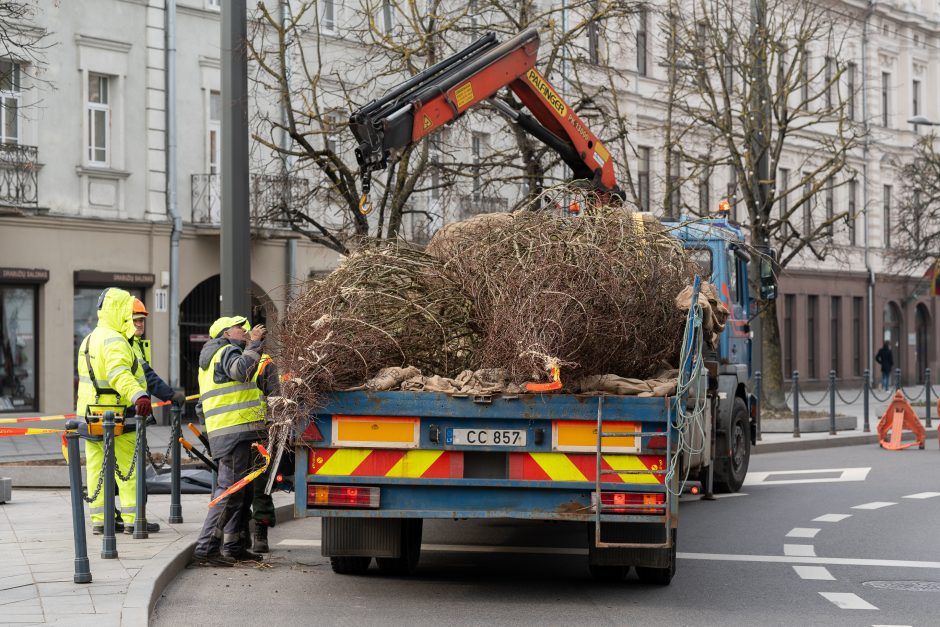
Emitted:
<point x="886" y="360"/>
<point x="231" y="405"/>
<point x="110" y="377"/>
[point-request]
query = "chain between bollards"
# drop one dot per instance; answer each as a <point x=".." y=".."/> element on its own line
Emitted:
<point x="108" y="541"/>
<point x="176" y="508"/>
<point x="796" y="404"/>
<point x="758" y="391"/>
<point x="832" y="402"/>
<point x="140" y="518"/>
<point x="866" y="387"/>
<point x="82" y="566"/>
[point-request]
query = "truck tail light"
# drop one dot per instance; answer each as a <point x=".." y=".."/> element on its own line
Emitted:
<point x="342" y="496"/>
<point x="633" y="502"/>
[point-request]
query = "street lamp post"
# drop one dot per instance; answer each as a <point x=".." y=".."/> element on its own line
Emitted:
<point x="920" y="120"/>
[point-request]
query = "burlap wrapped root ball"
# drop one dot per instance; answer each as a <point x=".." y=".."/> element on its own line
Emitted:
<point x="594" y="294"/>
<point x="385" y="305"/>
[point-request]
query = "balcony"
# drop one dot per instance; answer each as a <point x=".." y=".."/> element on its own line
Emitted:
<point x="474" y="205"/>
<point x="270" y="197"/>
<point x="19" y="169"/>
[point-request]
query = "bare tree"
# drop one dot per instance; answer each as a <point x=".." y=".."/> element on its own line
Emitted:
<point x="916" y="226"/>
<point x="759" y="100"/>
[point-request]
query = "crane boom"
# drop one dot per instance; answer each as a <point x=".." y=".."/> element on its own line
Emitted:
<point x="411" y="111"/>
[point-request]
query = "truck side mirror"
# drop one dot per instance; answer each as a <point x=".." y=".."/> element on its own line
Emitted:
<point x="768" y="279"/>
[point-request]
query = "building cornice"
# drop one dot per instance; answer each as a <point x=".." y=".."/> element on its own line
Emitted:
<point x="102" y="173"/>
<point x="85" y="223"/>
<point x="87" y="41"/>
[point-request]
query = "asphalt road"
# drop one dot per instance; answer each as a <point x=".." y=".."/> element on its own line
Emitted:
<point x="770" y="556"/>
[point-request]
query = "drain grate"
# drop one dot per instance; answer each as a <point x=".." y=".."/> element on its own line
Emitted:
<point x="906" y="586"/>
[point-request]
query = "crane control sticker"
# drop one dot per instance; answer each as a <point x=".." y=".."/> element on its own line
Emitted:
<point x="553" y="99"/>
<point x="426" y="123"/>
<point x="464" y="95"/>
<point x="600" y="154"/>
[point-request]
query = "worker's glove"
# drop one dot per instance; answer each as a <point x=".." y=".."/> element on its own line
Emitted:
<point x="179" y="398"/>
<point x="143" y="406"/>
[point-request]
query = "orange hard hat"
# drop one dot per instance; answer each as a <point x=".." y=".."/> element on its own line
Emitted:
<point x="140" y="311"/>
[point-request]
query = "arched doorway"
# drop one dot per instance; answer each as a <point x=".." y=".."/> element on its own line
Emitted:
<point x="922" y="329"/>
<point x="198" y="311"/>
<point x="893" y="330"/>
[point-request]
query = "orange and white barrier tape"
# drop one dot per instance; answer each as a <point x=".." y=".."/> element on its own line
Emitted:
<point x="6" y="421"/>
<point x="9" y="432"/>
<point x="241" y="483"/>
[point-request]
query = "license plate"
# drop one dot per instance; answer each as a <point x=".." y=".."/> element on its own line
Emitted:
<point x="486" y="437"/>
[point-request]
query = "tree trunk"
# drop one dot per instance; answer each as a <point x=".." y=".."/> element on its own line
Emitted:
<point x="772" y="391"/>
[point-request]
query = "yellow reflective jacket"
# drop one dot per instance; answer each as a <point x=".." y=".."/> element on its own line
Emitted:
<point x="231" y="407"/>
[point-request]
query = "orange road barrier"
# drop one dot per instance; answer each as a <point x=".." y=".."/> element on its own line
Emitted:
<point x="241" y="483"/>
<point x="897" y="417"/>
<point x="6" y="421"/>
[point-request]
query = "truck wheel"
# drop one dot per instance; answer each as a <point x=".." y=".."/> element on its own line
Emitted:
<point x="608" y="573"/>
<point x="660" y="576"/>
<point x="410" y="550"/>
<point x="350" y="565"/>
<point x="731" y="468"/>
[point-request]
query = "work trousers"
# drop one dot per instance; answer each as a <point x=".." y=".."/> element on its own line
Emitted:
<point x="262" y="505"/>
<point x="224" y="522"/>
<point x="127" y="490"/>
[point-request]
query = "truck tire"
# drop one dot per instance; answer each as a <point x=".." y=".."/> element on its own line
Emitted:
<point x="734" y="450"/>
<point x="350" y="565"/>
<point x="660" y="576"/>
<point x="411" y="529"/>
<point x="608" y="573"/>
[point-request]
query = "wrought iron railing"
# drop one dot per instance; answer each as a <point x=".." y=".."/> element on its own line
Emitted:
<point x="19" y="169"/>
<point x="271" y="197"/>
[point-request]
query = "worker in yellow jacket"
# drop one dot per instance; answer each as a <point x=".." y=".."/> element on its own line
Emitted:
<point x="110" y="377"/>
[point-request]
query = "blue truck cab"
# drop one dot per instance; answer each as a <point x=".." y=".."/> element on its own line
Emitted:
<point x="374" y="465"/>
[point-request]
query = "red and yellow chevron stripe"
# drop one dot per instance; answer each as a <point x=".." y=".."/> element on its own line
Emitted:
<point x="351" y="462"/>
<point x="574" y="467"/>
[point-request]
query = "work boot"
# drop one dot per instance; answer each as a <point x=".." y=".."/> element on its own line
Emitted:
<point x="213" y="559"/>
<point x="243" y="555"/>
<point x="151" y="528"/>
<point x="97" y="530"/>
<point x="260" y="544"/>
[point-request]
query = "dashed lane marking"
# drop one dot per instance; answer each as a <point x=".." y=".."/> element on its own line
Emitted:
<point x="799" y="550"/>
<point x="874" y="505"/>
<point x="729" y="496"/>
<point x="814" y="572"/>
<point x="803" y="532"/>
<point x="832" y="517"/>
<point x="922" y="495"/>
<point x="844" y="474"/>
<point x="848" y="601"/>
<point x="891" y="626"/>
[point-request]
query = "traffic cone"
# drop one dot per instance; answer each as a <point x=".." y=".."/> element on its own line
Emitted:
<point x="899" y="416"/>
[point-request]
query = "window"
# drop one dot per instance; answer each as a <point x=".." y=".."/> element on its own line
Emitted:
<point x="18" y="334"/>
<point x="675" y="193"/>
<point x="85" y="314"/>
<point x="857" y="339"/>
<point x="642" y="54"/>
<point x="812" y="336"/>
<point x="728" y="61"/>
<point x="387" y="16"/>
<point x="784" y="202"/>
<point x="853" y="209"/>
<point x="915" y="201"/>
<point x="438" y="147"/>
<point x="732" y="192"/>
<point x="804" y="77"/>
<point x="850" y="73"/>
<point x="789" y="313"/>
<point x="594" y="35"/>
<point x="328" y="16"/>
<point x="886" y="200"/>
<point x="213" y="141"/>
<point x="9" y="102"/>
<point x="829" y="73"/>
<point x="478" y="142"/>
<point x="214" y="4"/>
<point x="704" y="190"/>
<point x="99" y="119"/>
<point x="885" y="117"/>
<point x="643" y="178"/>
<point x="830" y="208"/>
<point x="915" y="98"/>
<point x="835" y="346"/>
<point x="808" y="199"/>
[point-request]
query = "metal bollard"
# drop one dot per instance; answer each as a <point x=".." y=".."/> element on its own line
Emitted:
<point x="108" y="542"/>
<point x="832" y="402"/>
<point x="897" y="379"/>
<point x="866" y="383"/>
<point x="796" y="404"/>
<point x="176" y="508"/>
<point x="927" y="408"/>
<point x="140" y="519"/>
<point x="82" y="566"/>
<point x="758" y="391"/>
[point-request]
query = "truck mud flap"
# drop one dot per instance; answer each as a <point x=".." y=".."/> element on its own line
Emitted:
<point x="362" y="537"/>
<point x="653" y="533"/>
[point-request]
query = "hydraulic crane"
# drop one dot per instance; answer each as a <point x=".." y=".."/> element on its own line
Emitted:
<point x="443" y="92"/>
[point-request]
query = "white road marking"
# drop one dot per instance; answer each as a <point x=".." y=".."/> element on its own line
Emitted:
<point x="832" y="517"/>
<point x="848" y="601"/>
<point x="891" y="626"/>
<point x="874" y="505"/>
<point x="814" y="572"/>
<point x="799" y="550"/>
<point x="803" y="532"/>
<point x="922" y="495"/>
<point x="846" y="474"/>
<point x="729" y="496"/>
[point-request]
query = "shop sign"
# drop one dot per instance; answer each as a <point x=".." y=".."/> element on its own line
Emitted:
<point x="23" y="275"/>
<point x="113" y="279"/>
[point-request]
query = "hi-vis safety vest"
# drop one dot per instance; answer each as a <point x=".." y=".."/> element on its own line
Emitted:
<point x="101" y="387"/>
<point x="264" y="363"/>
<point x="141" y="349"/>
<point x="229" y="407"/>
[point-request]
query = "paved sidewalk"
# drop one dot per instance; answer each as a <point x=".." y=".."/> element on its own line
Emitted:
<point x="37" y="561"/>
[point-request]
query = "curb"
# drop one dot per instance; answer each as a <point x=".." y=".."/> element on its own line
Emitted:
<point x="145" y="588"/>
<point x="832" y="442"/>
